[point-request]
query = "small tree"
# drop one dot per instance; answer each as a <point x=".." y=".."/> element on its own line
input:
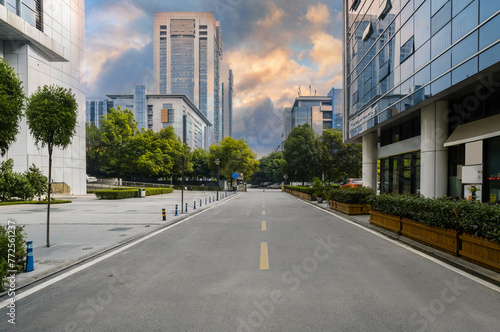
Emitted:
<point x="11" y="105"/>
<point x="37" y="180"/>
<point x="51" y="114"/>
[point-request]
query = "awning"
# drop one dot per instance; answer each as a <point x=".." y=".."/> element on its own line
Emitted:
<point x="475" y="131"/>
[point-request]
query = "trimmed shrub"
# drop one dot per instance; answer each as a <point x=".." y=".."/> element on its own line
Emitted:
<point x="19" y="255"/>
<point x="356" y="195"/>
<point x="305" y="190"/>
<point x="476" y="219"/>
<point x="158" y="191"/>
<point x="116" y="194"/>
<point x="197" y="188"/>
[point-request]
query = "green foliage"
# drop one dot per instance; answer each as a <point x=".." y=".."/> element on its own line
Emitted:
<point x="477" y="219"/>
<point x="19" y="244"/>
<point x="116" y="194"/>
<point x="11" y="105"/>
<point x="158" y="191"/>
<point x="339" y="160"/>
<point x="37" y="180"/>
<point x="52" y="201"/>
<point x="200" y="160"/>
<point x="94" y="148"/>
<point x="234" y="156"/>
<point x="129" y="192"/>
<point x="51" y="114"/>
<point x="23" y="186"/>
<point x="198" y="188"/>
<point x="301" y="153"/>
<point x="305" y="190"/>
<point x="270" y="169"/>
<point x="358" y="195"/>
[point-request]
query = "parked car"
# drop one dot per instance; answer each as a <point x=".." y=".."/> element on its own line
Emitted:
<point x="352" y="183"/>
<point x="91" y="178"/>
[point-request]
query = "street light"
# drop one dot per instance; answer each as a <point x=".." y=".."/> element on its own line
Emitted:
<point x="217" y="162"/>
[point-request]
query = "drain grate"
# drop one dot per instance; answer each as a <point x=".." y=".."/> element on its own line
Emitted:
<point x="119" y="229"/>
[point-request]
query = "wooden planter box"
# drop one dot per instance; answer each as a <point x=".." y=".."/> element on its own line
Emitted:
<point x="481" y="251"/>
<point x="387" y="221"/>
<point x="301" y="195"/>
<point x="442" y="239"/>
<point x="333" y="205"/>
<point x="349" y="209"/>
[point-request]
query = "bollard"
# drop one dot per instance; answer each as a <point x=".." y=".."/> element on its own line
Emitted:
<point x="176" y="213"/>
<point x="205" y="201"/>
<point x="200" y="202"/>
<point x="194" y="207"/>
<point x="213" y="199"/>
<point x="164" y="214"/>
<point x="210" y="199"/>
<point x="186" y="207"/>
<point x="29" y="258"/>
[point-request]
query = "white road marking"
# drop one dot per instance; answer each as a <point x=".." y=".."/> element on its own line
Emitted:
<point x="99" y="259"/>
<point x="407" y="247"/>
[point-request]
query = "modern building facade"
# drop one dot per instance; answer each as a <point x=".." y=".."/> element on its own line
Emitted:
<point x="314" y="110"/>
<point x="337" y="96"/>
<point x="162" y="111"/>
<point x="227" y="89"/>
<point x="420" y="81"/>
<point x="96" y="108"/>
<point x="46" y="45"/>
<point x="187" y="50"/>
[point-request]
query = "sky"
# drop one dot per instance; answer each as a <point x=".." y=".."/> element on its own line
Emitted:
<point x="274" y="46"/>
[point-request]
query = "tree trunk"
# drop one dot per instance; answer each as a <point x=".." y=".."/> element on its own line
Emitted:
<point x="48" y="196"/>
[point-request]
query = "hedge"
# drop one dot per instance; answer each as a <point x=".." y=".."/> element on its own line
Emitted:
<point x="116" y="194"/>
<point x="19" y="240"/>
<point x="198" y="188"/>
<point x="473" y="218"/>
<point x="305" y="190"/>
<point x="158" y="191"/>
<point x="358" y="195"/>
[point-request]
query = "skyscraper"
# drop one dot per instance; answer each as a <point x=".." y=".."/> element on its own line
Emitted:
<point x="187" y="50"/>
<point x="227" y="85"/>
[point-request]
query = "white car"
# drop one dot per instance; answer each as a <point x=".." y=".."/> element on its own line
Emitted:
<point x="91" y="178"/>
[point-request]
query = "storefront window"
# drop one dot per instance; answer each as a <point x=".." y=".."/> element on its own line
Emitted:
<point x="400" y="174"/>
<point x="493" y="167"/>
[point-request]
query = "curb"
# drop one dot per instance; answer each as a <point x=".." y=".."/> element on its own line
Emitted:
<point x="59" y="269"/>
<point x="457" y="262"/>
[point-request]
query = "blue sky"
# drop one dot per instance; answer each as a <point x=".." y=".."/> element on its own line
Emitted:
<point x="274" y="47"/>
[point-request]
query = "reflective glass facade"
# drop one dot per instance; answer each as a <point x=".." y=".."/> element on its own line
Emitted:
<point x="182" y="64"/>
<point x="400" y="53"/>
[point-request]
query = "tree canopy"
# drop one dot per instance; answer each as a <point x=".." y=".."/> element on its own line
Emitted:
<point x="270" y="169"/>
<point x="301" y="153"/>
<point x="234" y="156"/>
<point x="11" y="105"/>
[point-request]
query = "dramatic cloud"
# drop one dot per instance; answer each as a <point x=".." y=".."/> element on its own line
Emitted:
<point x="274" y="46"/>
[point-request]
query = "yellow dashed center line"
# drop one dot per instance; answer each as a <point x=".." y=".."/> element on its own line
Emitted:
<point x="263" y="212"/>
<point x="264" y="227"/>
<point x="264" y="256"/>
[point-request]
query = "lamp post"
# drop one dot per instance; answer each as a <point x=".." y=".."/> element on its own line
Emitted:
<point x="217" y="162"/>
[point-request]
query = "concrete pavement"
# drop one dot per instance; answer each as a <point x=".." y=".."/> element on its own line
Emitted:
<point x="89" y="226"/>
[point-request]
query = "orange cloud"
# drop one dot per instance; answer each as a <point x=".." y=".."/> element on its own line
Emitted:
<point x="326" y="53"/>
<point x="274" y="18"/>
<point x="318" y="15"/>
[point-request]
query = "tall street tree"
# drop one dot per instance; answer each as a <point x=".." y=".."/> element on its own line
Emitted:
<point x="301" y="154"/>
<point x="51" y="114"/>
<point x="270" y="169"/>
<point x="235" y="156"/>
<point x="11" y="105"/>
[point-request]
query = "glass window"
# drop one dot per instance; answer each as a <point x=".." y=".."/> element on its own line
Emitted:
<point x="441" y="84"/>
<point x="465" y="22"/>
<point x="423" y="77"/>
<point x="407" y="30"/>
<point x="440" y="65"/>
<point x="464" y="49"/>
<point x="458" y="5"/>
<point x="423" y="55"/>
<point x="441" y="18"/>
<point x="422" y="24"/>
<point x="489" y="57"/>
<point x="407" y="11"/>
<point x="441" y="41"/>
<point x="490" y="32"/>
<point x="464" y="71"/>
<point x="436" y="5"/>
<point x="406" y="50"/>
<point x="488" y="8"/>
<point x="163" y="27"/>
<point x="407" y="68"/>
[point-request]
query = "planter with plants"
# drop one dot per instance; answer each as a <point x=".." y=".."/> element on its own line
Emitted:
<point x="302" y="192"/>
<point x="481" y="238"/>
<point x="351" y="201"/>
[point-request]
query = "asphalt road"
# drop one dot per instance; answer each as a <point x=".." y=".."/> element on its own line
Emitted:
<point x="262" y="261"/>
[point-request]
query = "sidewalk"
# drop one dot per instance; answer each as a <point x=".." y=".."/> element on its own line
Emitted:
<point x="88" y="226"/>
<point x="460" y="263"/>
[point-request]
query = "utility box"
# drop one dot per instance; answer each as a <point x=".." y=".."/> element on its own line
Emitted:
<point x="141" y="193"/>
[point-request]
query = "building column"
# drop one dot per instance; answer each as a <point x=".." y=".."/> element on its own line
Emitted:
<point x="370" y="160"/>
<point x="434" y="156"/>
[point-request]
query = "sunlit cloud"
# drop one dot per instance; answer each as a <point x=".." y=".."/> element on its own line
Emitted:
<point x="326" y="53"/>
<point x="318" y="15"/>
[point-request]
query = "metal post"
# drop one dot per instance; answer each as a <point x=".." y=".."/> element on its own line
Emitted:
<point x="176" y="213"/>
<point x="194" y="207"/>
<point x="186" y="207"/>
<point x="164" y="214"/>
<point x="200" y="202"/>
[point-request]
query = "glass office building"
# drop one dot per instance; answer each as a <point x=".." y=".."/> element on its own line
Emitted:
<point x="420" y="81"/>
<point x="44" y="41"/>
